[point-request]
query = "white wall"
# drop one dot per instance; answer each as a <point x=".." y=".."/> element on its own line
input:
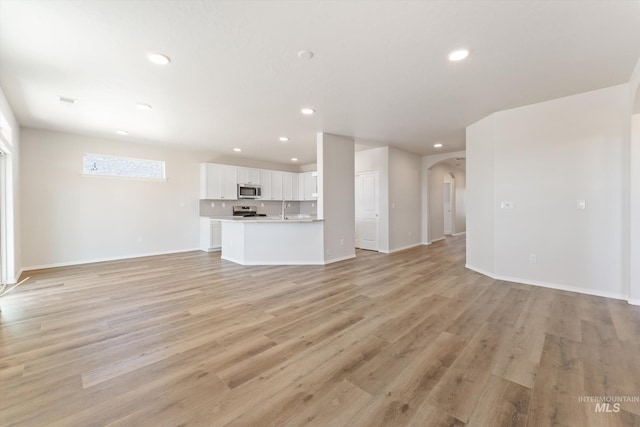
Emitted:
<point x="377" y="159"/>
<point x="405" y="188"/>
<point x="543" y="158"/>
<point x="13" y="205"/>
<point x="69" y="218"/>
<point x="336" y="195"/>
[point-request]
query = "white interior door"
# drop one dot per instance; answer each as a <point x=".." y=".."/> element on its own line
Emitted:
<point x="366" y="189"/>
<point x="446" y="201"/>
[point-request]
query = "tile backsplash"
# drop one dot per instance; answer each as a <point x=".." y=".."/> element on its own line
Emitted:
<point x="270" y="208"/>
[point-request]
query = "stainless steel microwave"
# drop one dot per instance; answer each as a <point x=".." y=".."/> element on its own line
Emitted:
<point x="249" y="191"/>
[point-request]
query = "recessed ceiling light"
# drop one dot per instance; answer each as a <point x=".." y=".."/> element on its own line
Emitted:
<point x="67" y="100"/>
<point x="305" y="54"/>
<point x="294" y="159"/>
<point x="158" y="58"/>
<point x="237" y="150"/>
<point x="122" y="132"/>
<point x="437" y="145"/>
<point x="145" y="107"/>
<point x="458" y="55"/>
<point x="284" y="139"/>
<point x="308" y="111"/>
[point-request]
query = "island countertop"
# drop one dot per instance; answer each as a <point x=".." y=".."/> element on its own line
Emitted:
<point x="267" y="219"/>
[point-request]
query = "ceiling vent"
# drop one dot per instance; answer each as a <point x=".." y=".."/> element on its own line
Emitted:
<point x="67" y="100"/>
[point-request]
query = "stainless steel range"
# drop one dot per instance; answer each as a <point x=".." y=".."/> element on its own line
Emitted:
<point x="246" y="211"/>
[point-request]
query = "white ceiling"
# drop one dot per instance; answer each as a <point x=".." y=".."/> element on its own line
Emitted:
<point x="380" y="71"/>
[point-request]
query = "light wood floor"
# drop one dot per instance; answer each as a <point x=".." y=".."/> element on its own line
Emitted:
<point x="411" y="338"/>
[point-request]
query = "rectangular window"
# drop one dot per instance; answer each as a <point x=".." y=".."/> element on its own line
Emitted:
<point x="101" y="165"/>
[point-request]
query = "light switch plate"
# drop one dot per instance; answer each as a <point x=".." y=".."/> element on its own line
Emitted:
<point x="581" y="204"/>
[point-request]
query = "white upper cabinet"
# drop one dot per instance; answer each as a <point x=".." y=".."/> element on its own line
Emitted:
<point x="248" y="176"/>
<point x="310" y="185"/>
<point x="218" y="182"/>
<point x="221" y="182"/>
<point x="265" y="184"/>
<point x="276" y="185"/>
<point x="289" y="186"/>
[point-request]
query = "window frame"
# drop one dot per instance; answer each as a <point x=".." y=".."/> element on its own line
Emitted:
<point x="137" y="178"/>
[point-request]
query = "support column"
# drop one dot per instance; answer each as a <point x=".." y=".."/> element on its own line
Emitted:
<point x="336" y="195"/>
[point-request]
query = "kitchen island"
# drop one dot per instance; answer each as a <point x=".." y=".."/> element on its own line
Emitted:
<point x="273" y="241"/>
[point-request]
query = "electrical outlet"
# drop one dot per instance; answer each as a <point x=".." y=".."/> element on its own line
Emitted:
<point x="507" y="205"/>
<point x="581" y="204"/>
<point x="262" y="205"/>
<point x="313" y="205"/>
<point x="224" y="205"/>
<point x="533" y="258"/>
<point x="213" y="204"/>
<point x="288" y="205"/>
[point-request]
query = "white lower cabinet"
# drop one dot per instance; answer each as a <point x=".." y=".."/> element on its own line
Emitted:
<point x="210" y="234"/>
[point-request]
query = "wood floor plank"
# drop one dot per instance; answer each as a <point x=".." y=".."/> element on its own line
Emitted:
<point x="399" y="402"/>
<point x="502" y="403"/>
<point x="461" y="386"/>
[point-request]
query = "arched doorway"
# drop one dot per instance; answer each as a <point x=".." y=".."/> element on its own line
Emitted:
<point x="444" y="211"/>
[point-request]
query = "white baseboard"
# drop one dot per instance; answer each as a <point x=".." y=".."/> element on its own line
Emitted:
<point x="405" y="247"/>
<point x="17" y="278"/>
<point x="256" y="263"/>
<point x="459" y="234"/>
<point x="106" y="259"/>
<point x="633" y="301"/>
<point x="342" y="258"/>
<point x="556" y="286"/>
<point x="436" y="240"/>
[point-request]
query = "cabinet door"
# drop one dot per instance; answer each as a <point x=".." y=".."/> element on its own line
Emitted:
<point x="248" y="176"/>
<point x="276" y="185"/>
<point x="210" y="181"/>
<point x="265" y="184"/>
<point x="287" y="186"/>
<point x="243" y="175"/>
<point x="295" y="187"/>
<point x="230" y="182"/>
<point x="254" y="176"/>
<point x="301" y="180"/>
<point x="310" y="185"/>
<point x="216" y="235"/>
